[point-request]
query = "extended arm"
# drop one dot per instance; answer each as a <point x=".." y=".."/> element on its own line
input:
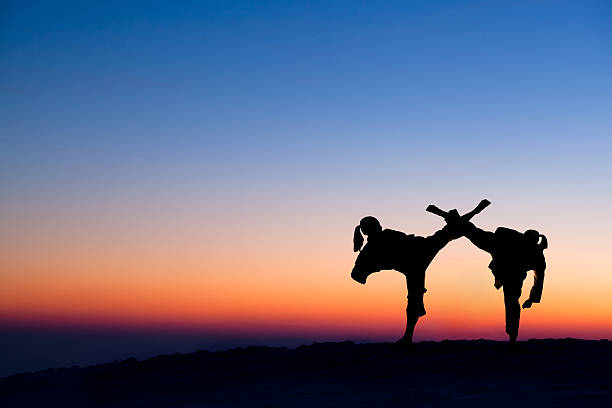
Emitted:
<point x="484" y="240"/>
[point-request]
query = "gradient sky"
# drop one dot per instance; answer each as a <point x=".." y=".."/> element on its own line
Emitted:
<point x="202" y="165"/>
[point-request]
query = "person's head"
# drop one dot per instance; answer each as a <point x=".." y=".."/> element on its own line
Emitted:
<point x="534" y="236"/>
<point x="369" y="226"/>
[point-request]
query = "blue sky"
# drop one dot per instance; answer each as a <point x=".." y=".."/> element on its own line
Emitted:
<point x="115" y="94"/>
<point x="246" y="101"/>
<point x="221" y="74"/>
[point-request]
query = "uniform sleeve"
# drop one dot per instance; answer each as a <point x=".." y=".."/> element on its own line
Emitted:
<point x="484" y="240"/>
<point x="538" y="285"/>
<point x="538" y="264"/>
<point x="365" y="264"/>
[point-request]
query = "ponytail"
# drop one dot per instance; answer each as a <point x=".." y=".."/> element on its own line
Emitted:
<point x="368" y="225"/>
<point x="357" y="239"/>
<point x="543" y="242"/>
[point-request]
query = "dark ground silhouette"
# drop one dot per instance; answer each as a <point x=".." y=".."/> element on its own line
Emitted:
<point x="480" y="373"/>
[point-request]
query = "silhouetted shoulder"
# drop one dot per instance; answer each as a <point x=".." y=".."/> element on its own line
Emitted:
<point x="508" y="237"/>
<point x="393" y="235"/>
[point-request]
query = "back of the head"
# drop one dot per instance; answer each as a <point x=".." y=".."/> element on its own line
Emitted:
<point x="369" y="226"/>
<point x="534" y="236"/>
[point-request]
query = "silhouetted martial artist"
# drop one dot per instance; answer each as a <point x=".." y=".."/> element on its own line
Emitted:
<point x="514" y="254"/>
<point x="408" y="254"/>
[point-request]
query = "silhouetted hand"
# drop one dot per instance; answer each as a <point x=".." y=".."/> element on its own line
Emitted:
<point x="527" y="304"/>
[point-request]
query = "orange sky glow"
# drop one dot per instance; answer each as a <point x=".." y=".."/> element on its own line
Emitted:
<point x="277" y="287"/>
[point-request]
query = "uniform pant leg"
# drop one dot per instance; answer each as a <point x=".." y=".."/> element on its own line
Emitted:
<point x="415" y="282"/>
<point x="512" y="293"/>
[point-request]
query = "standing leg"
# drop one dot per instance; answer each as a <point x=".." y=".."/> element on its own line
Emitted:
<point x="411" y="322"/>
<point x="512" y="293"/>
<point x="415" y="308"/>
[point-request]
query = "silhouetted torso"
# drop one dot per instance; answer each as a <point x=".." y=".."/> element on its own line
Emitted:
<point x="513" y="256"/>
<point x="390" y="249"/>
<point x="408" y="254"/>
